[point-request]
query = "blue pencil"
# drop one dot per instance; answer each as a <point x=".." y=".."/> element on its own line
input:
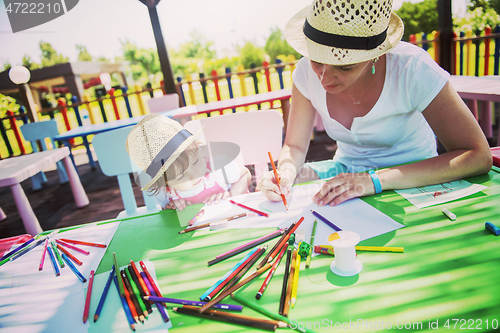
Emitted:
<point x="53" y="259"/>
<point x="126" y="309"/>
<point x="17" y="249"/>
<point x="104" y="294"/>
<point x="322" y="218"/>
<point x="204" y="297"/>
<point x="73" y="268"/>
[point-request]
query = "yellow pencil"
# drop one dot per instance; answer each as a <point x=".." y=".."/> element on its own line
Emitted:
<point x="293" y="299"/>
<point x="373" y="248"/>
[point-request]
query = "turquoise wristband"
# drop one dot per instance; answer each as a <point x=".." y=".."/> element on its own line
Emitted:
<point x="376" y="181"/>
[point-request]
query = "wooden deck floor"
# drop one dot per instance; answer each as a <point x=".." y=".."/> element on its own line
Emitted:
<point x="55" y="207"/>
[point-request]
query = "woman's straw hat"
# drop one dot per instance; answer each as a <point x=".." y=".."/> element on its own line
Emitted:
<point x="342" y="32"/>
<point x="155" y="143"/>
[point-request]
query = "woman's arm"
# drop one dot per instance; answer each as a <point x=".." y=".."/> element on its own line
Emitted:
<point x="293" y="154"/>
<point x="468" y="154"/>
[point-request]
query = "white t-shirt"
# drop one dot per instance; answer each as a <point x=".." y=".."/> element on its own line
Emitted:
<point x="394" y="131"/>
<point x="224" y="179"/>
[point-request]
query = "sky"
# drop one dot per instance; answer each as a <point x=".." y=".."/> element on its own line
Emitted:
<point x="101" y="24"/>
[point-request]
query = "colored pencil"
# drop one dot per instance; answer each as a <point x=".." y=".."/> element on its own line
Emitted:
<point x="230" y="307"/>
<point x="17" y="249"/>
<point x="292" y="230"/>
<point x="141" y="292"/>
<point x="395" y="249"/>
<point x="40" y="267"/>
<point x="265" y="238"/>
<point x="249" y="208"/>
<point x="118" y="275"/>
<point x="72" y="241"/>
<point x="104" y="294"/>
<point x="278" y="243"/>
<point x="197" y="217"/>
<point x="160" y="307"/>
<point x="136" y="292"/>
<point x="324" y="219"/>
<point x="72" y="257"/>
<point x="139" y="277"/>
<point x="150" y="279"/>
<point x="69" y="246"/>
<point x="128" y="288"/>
<point x="311" y="242"/>
<point x="125" y="306"/>
<point x="286" y="307"/>
<point x="285" y="281"/>
<point x="206" y="225"/>
<point x="131" y="305"/>
<point x="58" y="255"/>
<point x="53" y="260"/>
<point x="246" y="268"/>
<point x="278" y="179"/>
<point x="87" y="299"/>
<point x="295" y="284"/>
<point x="239" y="264"/>
<point x="73" y="268"/>
<point x="30" y="247"/>
<point x="271" y="273"/>
<point x="240" y="284"/>
<point x="233" y="318"/>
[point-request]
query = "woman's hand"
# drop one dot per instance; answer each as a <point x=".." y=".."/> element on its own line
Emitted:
<point x="343" y="187"/>
<point x="269" y="186"/>
<point x="216" y="198"/>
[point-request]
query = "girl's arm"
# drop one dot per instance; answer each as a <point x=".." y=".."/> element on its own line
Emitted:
<point x="242" y="184"/>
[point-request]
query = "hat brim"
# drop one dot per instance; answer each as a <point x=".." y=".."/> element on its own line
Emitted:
<point x="182" y="147"/>
<point x="338" y="56"/>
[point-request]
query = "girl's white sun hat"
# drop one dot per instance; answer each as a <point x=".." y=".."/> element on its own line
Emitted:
<point x="342" y="32"/>
<point x="155" y="143"/>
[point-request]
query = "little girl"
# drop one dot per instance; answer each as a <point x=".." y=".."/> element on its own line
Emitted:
<point x="180" y="165"/>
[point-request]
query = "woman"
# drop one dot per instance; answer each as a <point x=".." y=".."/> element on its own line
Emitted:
<point x="383" y="101"/>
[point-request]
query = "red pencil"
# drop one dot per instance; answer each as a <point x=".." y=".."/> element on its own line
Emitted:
<point x="87" y="299"/>
<point x="150" y="279"/>
<point x="72" y="247"/>
<point x="82" y="243"/>
<point x="43" y="254"/>
<point x="271" y="272"/>
<point x="139" y="277"/>
<point x="284" y="240"/>
<point x="249" y="208"/>
<point x="72" y="257"/>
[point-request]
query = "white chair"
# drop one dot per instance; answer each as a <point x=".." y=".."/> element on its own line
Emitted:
<point x="39" y="131"/>
<point x="255" y="132"/>
<point x="115" y="161"/>
<point x="164" y="103"/>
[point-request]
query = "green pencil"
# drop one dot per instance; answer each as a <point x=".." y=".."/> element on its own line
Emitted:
<point x="313" y="234"/>
<point x="118" y="276"/>
<point x="136" y="292"/>
<point x="58" y="255"/>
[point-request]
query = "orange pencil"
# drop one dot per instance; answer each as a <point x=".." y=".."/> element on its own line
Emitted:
<point x="72" y="257"/>
<point x="82" y="243"/>
<point x="277" y="179"/>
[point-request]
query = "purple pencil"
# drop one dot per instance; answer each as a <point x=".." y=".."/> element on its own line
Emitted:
<point x="43" y="255"/>
<point x="160" y="307"/>
<point x="255" y="242"/>
<point x="230" y="307"/>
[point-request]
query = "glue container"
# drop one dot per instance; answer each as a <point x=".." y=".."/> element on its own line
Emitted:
<point x="345" y="263"/>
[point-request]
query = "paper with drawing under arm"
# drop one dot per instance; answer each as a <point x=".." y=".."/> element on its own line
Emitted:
<point x="354" y="215"/>
<point x="436" y="194"/>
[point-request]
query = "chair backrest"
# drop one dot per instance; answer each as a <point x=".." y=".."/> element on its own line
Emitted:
<point x="255" y="132"/>
<point x="39" y="131"/>
<point x="164" y="103"/>
<point x="115" y="161"/>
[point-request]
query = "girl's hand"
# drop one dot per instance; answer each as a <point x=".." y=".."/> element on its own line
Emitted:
<point x="269" y="186"/>
<point x="216" y="198"/>
<point x="343" y="187"/>
<point x="179" y="204"/>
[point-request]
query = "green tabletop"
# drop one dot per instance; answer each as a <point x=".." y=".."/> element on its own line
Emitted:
<point x="448" y="276"/>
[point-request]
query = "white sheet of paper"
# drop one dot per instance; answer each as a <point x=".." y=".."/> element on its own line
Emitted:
<point x="354" y="215"/>
<point x="38" y="301"/>
<point x="112" y="317"/>
<point x="436" y="194"/>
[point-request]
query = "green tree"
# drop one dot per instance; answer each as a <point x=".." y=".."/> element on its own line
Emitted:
<point x="198" y="46"/>
<point x="419" y="17"/>
<point x="83" y="54"/>
<point x="473" y="4"/>
<point x="28" y="63"/>
<point x="50" y="57"/>
<point x="477" y="20"/>
<point x="6" y="65"/>
<point x="250" y="53"/>
<point x="276" y="45"/>
<point x="495" y="5"/>
<point x="144" y="62"/>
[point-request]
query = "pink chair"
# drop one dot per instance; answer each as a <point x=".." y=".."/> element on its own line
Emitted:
<point x="255" y="132"/>
<point x="164" y="103"/>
